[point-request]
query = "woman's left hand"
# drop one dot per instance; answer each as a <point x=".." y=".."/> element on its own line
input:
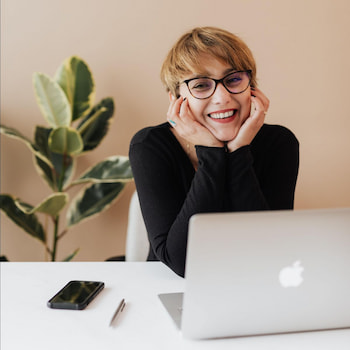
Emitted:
<point x="251" y="126"/>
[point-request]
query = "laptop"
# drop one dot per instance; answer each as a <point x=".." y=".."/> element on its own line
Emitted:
<point x="264" y="272"/>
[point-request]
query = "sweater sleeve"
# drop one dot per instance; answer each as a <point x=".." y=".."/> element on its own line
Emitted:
<point x="167" y="204"/>
<point x="277" y="165"/>
<point x="263" y="175"/>
<point x="244" y="192"/>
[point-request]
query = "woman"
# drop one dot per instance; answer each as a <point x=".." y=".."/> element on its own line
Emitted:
<point x="215" y="154"/>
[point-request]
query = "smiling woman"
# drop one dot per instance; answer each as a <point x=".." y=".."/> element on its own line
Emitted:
<point x="215" y="154"/>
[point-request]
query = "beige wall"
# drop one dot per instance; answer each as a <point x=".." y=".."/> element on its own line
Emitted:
<point x="303" y="54"/>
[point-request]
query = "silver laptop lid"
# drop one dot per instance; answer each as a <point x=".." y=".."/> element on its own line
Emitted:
<point x="267" y="272"/>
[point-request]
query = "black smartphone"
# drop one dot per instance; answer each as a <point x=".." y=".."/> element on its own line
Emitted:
<point x="75" y="295"/>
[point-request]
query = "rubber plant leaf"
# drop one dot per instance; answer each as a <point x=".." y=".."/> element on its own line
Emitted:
<point x="75" y="78"/>
<point x="11" y="132"/>
<point x="52" y="174"/>
<point x="28" y="222"/>
<point x="112" y="169"/>
<point x="52" y="101"/>
<point x="95" y="125"/>
<point x="65" y="140"/>
<point x="52" y="205"/>
<point x="93" y="200"/>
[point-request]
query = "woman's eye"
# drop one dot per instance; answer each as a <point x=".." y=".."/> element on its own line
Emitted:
<point x="201" y="85"/>
<point x="233" y="81"/>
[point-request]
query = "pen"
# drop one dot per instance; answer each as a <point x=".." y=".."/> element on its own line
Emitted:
<point x="120" y="309"/>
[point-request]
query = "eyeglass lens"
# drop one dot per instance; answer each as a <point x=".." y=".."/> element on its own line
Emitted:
<point x="235" y="83"/>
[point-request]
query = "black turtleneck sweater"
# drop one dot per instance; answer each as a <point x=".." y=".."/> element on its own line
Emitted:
<point x="261" y="176"/>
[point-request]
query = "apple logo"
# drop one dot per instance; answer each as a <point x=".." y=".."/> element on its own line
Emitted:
<point x="290" y="276"/>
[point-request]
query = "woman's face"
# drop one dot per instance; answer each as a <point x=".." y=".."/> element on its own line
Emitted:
<point x="223" y="113"/>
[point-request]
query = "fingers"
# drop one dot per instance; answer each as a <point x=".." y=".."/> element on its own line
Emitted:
<point x="178" y="111"/>
<point x="173" y="110"/>
<point x="261" y="105"/>
<point x="252" y="125"/>
<point x="260" y="101"/>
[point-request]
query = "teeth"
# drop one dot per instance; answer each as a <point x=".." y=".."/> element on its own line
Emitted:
<point x="222" y="115"/>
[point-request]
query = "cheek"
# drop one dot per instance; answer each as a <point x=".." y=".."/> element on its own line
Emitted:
<point x="183" y="90"/>
<point x="196" y="108"/>
<point x="246" y="106"/>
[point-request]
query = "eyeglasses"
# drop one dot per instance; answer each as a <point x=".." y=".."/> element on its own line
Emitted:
<point x="235" y="83"/>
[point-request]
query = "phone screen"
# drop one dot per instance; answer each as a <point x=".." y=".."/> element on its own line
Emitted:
<point x="75" y="295"/>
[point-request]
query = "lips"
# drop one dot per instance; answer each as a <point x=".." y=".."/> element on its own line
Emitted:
<point x="223" y="116"/>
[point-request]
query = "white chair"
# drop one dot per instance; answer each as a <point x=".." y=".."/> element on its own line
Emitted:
<point x="137" y="244"/>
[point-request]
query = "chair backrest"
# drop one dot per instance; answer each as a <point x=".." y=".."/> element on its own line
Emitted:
<point x="137" y="244"/>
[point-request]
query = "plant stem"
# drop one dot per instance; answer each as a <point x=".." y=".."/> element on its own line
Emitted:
<point x="62" y="174"/>
<point x="55" y="238"/>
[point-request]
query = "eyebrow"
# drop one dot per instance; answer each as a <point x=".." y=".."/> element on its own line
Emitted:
<point x="207" y="74"/>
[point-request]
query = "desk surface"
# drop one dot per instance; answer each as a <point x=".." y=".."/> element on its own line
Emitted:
<point x="26" y="321"/>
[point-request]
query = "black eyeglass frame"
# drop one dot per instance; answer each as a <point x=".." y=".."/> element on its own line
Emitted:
<point x="217" y="81"/>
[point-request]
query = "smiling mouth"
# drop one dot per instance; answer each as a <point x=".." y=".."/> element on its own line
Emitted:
<point x="223" y="115"/>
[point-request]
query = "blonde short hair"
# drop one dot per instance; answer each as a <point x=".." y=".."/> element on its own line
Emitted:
<point x="184" y="56"/>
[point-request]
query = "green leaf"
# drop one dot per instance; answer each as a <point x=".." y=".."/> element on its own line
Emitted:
<point x="95" y="125"/>
<point x="52" y="101"/>
<point x="41" y="139"/>
<point x="28" y="222"/>
<point x="34" y="148"/>
<point x="71" y="256"/>
<point x="59" y="162"/>
<point x="46" y="173"/>
<point x="53" y="175"/>
<point x="112" y="169"/>
<point x="52" y="205"/>
<point x="65" y="140"/>
<point x="92" y="201"/>
<point x="75" y="78"/>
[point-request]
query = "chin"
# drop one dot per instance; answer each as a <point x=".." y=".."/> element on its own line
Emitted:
<point x="225" y="137"/>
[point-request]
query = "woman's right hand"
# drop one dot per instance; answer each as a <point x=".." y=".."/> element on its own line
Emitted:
<point x="252" y="125"/>
<point x="182" y="120"/>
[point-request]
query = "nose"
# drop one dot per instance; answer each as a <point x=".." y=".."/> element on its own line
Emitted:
<point x="221" y="95"/>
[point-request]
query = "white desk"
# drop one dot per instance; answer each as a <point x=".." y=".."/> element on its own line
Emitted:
<point x="27" y="323"/>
